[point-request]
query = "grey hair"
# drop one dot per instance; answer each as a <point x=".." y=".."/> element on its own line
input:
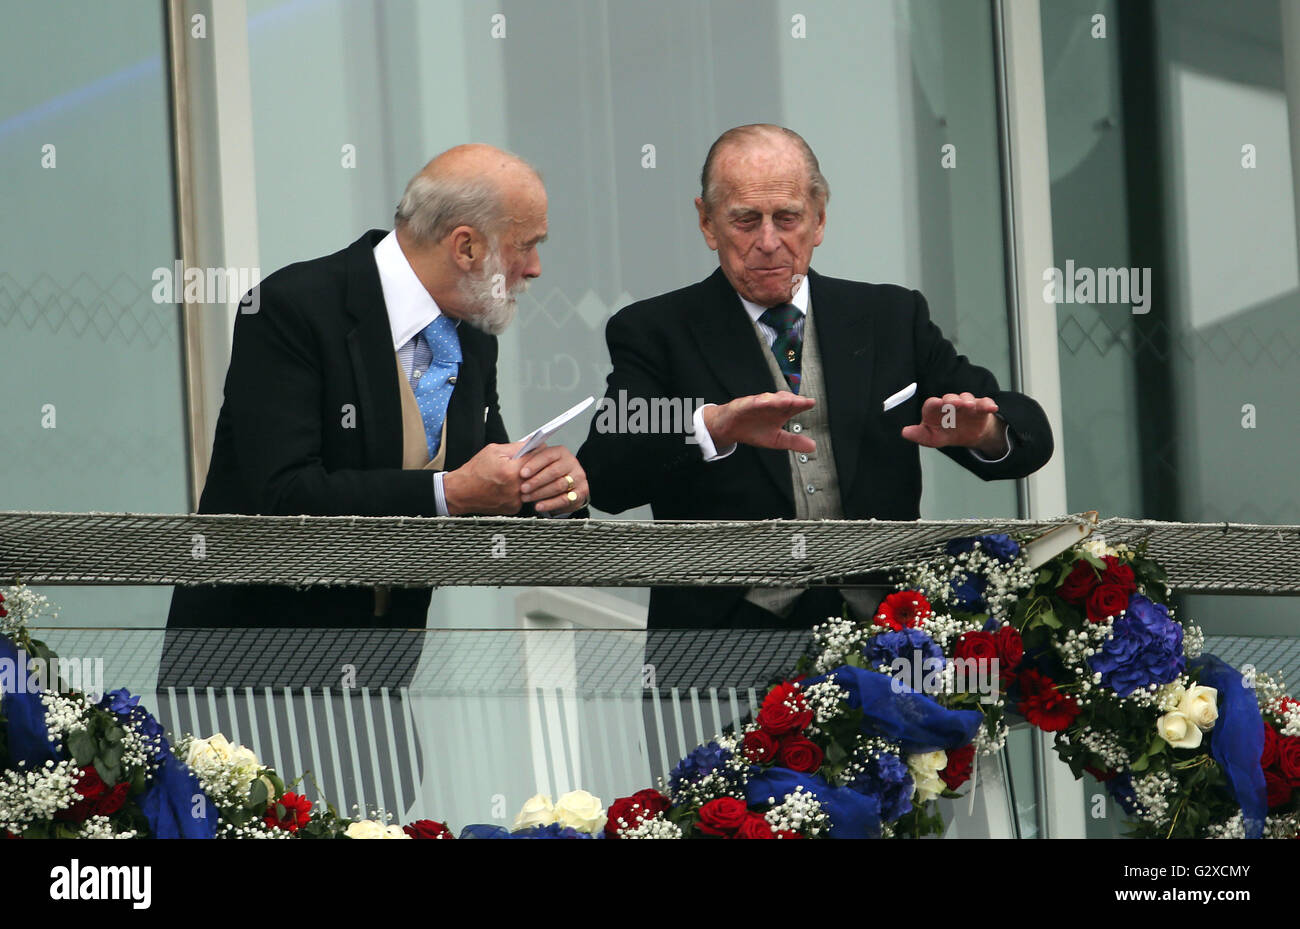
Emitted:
<point x="818" y="187"/>
<point x="432" y="207"/>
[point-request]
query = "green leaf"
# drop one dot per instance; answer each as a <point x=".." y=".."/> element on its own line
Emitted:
<point x="258" y="795"/>
<point x="82" y="747"/>
<point x="1049" y="618"/>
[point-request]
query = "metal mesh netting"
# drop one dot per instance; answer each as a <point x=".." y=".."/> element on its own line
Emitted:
<point x="124" y="548"/>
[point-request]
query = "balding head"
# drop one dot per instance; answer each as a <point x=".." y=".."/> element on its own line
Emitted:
<point x="469" y="224"/>
<point x="763" y="141"/>
<point x="469" y="185"/>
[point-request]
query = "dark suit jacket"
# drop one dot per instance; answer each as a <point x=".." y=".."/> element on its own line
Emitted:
<point x="320" y="346"/>
<point x="698" y="343"/>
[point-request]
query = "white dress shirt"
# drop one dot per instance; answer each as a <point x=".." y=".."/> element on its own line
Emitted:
<point x="410" y="309"/>
<point x="801" y="300"/>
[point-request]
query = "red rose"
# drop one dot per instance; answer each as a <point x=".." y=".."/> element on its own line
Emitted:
<point x="903" y="610"/>
<point x="1105" y="601"/>
<point x="957" y="771"/>
<point x="1011" y="649"/>
<point x="1042" y="704"/>
<point x="980" y="646"/>
<point x="722" y="816"/>
<point x="758" y="746"/>
<point x="1288" y="759"/>
<point x="1118" y="574"/>
<point x="754" y="826"/>
<point x="428" y="829"/>
<point x="1269" y="756"/>
<point x="628" y="812"/>
<point x="1078" y="584"/>
<point x="1279" y="791"/>
<point x="97" y="798"/>
<point x="800" y="754"/>
<point x="290" y="812"/>
<point x="784" y="710"/>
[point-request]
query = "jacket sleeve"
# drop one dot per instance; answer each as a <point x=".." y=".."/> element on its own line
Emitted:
<point x="273" y="397"/>
<point x="627" y="464"/>
<point x="943" y="371"/>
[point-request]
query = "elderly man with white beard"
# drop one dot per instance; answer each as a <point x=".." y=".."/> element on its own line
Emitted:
<point x="365" y="384"/>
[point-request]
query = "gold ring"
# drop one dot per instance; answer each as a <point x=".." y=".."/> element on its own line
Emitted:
<point x="569" y="478"/>
<point x="572" y="497"/>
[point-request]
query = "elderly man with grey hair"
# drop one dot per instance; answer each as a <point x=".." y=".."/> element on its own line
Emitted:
<point x="365" y="384"/>
<point x="818" y="391"/>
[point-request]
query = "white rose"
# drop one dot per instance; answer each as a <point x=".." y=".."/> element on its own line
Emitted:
<point x="1096" y="545"/>
<point x="244" y="765"/>
<point x="365" y="829"/>
<point x="537" y="811"/>
<point x="925" y="770"/>
<point x="209" y="751"/>
<point x="1200" y="705"/>
<point x="580" y="810"/>
<point x="394" y="832"/>
<point x="1169" y="696"/>
<point x="1178" y="730"/>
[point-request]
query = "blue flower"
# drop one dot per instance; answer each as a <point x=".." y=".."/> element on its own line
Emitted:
<point x="119" y="701"/>
<point x="887" y="646"/>
<point x="699" y="764"/>
<point x="122" y="704"/>
<point x="887" y="779"/>
<point x="968" y="592"/>
<point x="998" y="545"/>
<point x="1146" y="648"/>
<point x="1120" y="787"/>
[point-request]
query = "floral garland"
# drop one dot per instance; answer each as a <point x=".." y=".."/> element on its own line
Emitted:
<point x="881" y="719"/>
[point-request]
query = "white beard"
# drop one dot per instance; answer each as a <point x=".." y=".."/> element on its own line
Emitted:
<point x="488" y="312"/>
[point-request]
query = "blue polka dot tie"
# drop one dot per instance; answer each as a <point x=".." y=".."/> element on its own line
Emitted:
<point x="434" y="387"/>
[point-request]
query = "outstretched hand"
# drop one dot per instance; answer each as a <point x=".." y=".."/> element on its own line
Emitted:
<point x="759" y="420"/>
<point x="959" y="419"/>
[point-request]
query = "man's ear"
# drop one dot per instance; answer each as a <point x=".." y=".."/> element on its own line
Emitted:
<point x="706" y="224"/>
<point x="467" y="247"/>
<point x="821" y="225"/>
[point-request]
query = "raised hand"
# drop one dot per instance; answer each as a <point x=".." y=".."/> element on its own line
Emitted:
<point x="959" y="419"/>
<point x="759" y="420"/>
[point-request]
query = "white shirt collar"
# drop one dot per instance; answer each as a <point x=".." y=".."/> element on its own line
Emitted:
<point x="799" y="301"/>
<point x="410" y="307"/>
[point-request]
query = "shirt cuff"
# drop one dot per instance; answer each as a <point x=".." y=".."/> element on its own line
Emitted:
<point x="1006" y="436"/>
<point x="439" y="495"/>
<point x="705" y="441"/>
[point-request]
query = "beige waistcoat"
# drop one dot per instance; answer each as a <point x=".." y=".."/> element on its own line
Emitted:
<point x="415" y="453"/>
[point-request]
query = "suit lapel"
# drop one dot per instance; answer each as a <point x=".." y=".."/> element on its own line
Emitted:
<point x="370" y="345"/>
<point x="465" y="408"/>
<point x="725" y="335"/>
<point x="844" y="341"/>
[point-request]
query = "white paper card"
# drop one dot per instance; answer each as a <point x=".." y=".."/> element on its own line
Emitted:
<point x="539" y="436"/>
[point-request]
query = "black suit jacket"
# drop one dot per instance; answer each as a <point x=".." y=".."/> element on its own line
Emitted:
<point x="698" y="343"/>
<point x="311" y="424"/>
